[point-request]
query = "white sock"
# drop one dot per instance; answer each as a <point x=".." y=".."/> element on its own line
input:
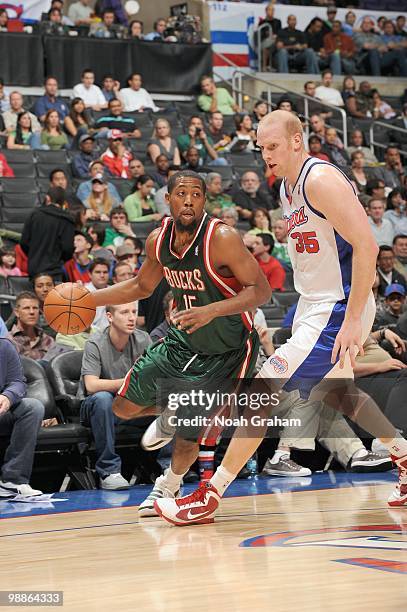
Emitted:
<point x="222" y="479"/>
<point x="278" y="454"/>
<point x="397" y="447"/>
<point x="172" y="481"/>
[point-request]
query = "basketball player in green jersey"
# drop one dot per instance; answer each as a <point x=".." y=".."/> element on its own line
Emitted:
<point x="216" y="284"/>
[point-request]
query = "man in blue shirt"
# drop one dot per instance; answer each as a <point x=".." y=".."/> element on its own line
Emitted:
<point x="50" y="100"/>
<point x="21" y="418"/>
<point x="81" y="161"/>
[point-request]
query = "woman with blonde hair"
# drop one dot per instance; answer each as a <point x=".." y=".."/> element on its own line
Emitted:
<point x="162" y="143"/>
<point x="99" y="202"/>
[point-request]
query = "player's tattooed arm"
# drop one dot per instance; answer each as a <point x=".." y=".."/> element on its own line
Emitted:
<point x="138" y="288"/>
<point x="229" y="257"/>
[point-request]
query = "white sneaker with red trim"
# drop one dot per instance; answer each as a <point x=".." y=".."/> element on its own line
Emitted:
<point x="399" y="496"/>
<point x="195" y="509"/>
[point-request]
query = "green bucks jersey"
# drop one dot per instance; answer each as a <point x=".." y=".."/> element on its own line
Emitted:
<point x="194" y="282"/>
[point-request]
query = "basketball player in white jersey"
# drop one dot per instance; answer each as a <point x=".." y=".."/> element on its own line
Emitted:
<point x="333" y="255"/>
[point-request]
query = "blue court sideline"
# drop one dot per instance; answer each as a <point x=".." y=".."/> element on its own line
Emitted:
<point x="99" y="500"/>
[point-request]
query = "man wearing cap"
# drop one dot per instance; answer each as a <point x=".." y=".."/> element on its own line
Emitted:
<point x="116" y="158"/>
<point x="114" y="120"/>
<point x="395" y="297"/>
<point x="127" y="254"/>
<point x="330" y="18"/>
<point x="81" y="161"/>
<point x="84" y="190"/>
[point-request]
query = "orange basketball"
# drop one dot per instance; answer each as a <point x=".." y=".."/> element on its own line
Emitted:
<point x="69" y="308"/>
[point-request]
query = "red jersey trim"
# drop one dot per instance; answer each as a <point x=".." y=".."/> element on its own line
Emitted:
<point x="160" y="237"/>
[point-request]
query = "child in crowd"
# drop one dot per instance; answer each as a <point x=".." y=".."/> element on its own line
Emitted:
<point x="8" y="263"/>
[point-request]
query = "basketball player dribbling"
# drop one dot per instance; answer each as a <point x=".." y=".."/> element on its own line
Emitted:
<point x="333" y="255"/>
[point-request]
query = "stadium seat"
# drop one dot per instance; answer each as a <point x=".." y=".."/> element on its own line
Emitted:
<point x="273" y="312"/>
<point x="285" y="298"/>
<point x="18" y="156"/>
<point x="289" y="281"/>
<point x="53" y="157"/>
<point x="240" y="170"/>
<point x="18" y="185"/>
<point x="25" y="170"/>
<point x="170" y="115"/>
<point x="44" y="170"/>
<point x="281" y="336"/>
<point x="15" y="219"/>
<point x="143" y="228"/>
<point x="271" y="322"/>
<point x="123" y="186"/>
<point x="226" y="173"/>
<point x="141" y="119"/>
<point x="20" y="200"/>
<point x="17" y="284"/>
<point x="242" y="159"/>
<point x="64" y="373"/>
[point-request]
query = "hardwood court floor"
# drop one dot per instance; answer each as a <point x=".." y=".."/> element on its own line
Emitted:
<point x="322" y="543"/>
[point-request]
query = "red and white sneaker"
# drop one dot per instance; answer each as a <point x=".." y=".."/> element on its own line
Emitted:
<point x="195" y="509"/>
<point x="399" y="496"/>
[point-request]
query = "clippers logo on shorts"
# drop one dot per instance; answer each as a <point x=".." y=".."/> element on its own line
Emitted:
<point x="188" y="280"/>
<point x="279" y="364"/>
<point x="297" y="218"/>
<point x="371" y="538"/>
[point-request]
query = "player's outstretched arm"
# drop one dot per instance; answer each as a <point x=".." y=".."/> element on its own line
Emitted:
<point x="136" y="288"/>
<point x="230" y="257"/>
<point x="331" y="194"/>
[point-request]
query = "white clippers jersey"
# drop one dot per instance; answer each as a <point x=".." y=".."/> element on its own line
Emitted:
<point x="321" y="258"/>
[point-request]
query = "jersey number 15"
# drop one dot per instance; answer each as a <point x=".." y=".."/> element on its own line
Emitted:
<point x="306" y="241"/>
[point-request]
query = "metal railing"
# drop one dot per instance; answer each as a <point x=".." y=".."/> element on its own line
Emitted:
<point x="381" y="145"/>
<point x="239" y="93"/>
<point x="259" y="51"/>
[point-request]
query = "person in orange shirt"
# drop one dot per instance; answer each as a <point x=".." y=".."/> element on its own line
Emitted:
<point x="341" y="50"/>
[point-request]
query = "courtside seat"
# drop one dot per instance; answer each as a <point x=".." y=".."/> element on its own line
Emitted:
<point x="285" y="298"/>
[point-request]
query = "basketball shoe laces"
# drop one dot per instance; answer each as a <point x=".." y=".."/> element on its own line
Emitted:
<point x="196" y="497"/>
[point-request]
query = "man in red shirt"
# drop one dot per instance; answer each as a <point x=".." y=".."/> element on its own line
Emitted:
<point x="262" y="248"/>
<point x="77" y="268"/>
<point x="5" y="169"/>
<point x="341" y="50"/>
<point x="116" y="157"/>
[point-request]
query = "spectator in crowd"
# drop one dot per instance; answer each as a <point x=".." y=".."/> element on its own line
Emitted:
<point x="260" y="110"/>
<point x="86" y="155"/>
<point x="116" y="158"/>
<point x="192" y="160"/>
<point x="107" y="358"/>
<point x="381" y="109"/>
<point x="317" y="125"/>
<point x="330" y="18"/>
<point x="229" y="216"/>
<point x="58" y="178"/>
<point x="116" y="6"/>
<point x="122" y="272"/>
<point x="50" y="101"/>
<point x="401" y="26"/>
<point x="357" y="144"/>
<point x="382" y="228"/>
<point x="197" y="137"/>
<point x="263" y="245"/>
<point x="43" y="283"/>
<point x="134" y="260"/>
<point x="58" y="4"/>
<point x="388" y="275"/>
<point x="315" y="39"/>
<point x="16" y="108"/>
<point x="140" y="205"/>
<point x="392" y="173"/>
<point x="23" y="136"/>
<point x="4" y="97"/>
<point x="390" y="38"/>
<point x="360" y="103"/>
<point x="3" y="20"/>
<point x="118" y="229"/>
<point x="136" y="29"/>
<point x="216" y="131"/>
<point x="114" y="120"/>
<point x="106" y="28"/>
<point x="135" y="97"/>
<point x="8" y="265"/>
<point x="5" y="169"/>
<point x="110" y="87"/>
<point x="244" y="130"/>
<point x="77" y="268"/>
<point x="52" y="136"/>
<point x="268" y="35"/>
<point x="357" y="173"/>
<point x="127" y="254"/>
<point x="250" y="196"/>
<point x="48" y="234"/>
<point x="54" y="25"/>
<point x="375" y="54"/>
<point x="315" y="147"/>
<point x="314" y="106"/>
<point x="158" y="33"/>
<point x="160" y="176"/>
<point x="400" y="254"/>
<point x="80" y="13"/>
<point x="163" y="143"/>
<point x="349" y="23"/>
<point x="99" y="200"/>
<point x="284" y="103"/>
<point x="27" y="336"/>
<point x="136" y="168"/>
<point x="280" y="250"/>
<point x="216" y="200"/>
<point x="260" y="222"/>
<point x="78" y="121"/>
<point x="97" y="168"/>
<point x="401" y="122"/>
<point x="336" y="154"/>
<point x="215" y="98"/>
<point x="160" y="196"/>
<point x="326" y="92"/>
<point x="340" y="49"/>
<point x="20" y="418"/>
<point x="99" y="279"/>
<point x="395" y="298"/>
<point x="292" y="48"/>
<point x="396" y="211"/>
<point x="374" y="189"/>
<point x="90" y="93"/>
<point x="98" y="233"/>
